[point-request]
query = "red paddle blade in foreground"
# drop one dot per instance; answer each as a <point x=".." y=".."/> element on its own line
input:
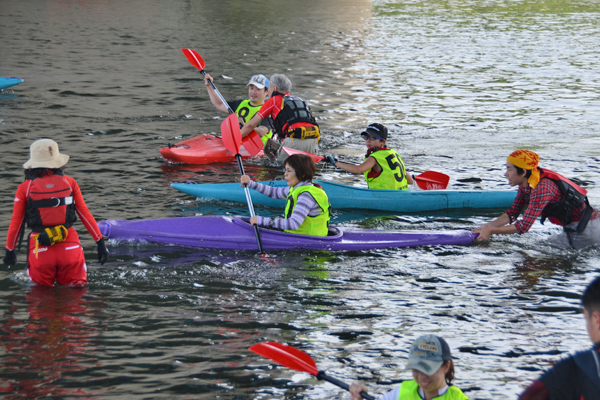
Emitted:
<point x="231" y="134"/>
<point x="432" y="180"/>
<point x="194" y="58"/>
<point x="287" y="356"/>
<point x="252" y="143"/>
<point x="294" y="358"/>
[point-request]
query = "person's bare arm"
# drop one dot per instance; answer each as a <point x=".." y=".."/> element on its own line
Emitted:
<point x="251" y="125"/>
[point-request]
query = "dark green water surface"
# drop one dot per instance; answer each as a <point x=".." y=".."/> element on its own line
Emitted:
<point x="460" y="84"/>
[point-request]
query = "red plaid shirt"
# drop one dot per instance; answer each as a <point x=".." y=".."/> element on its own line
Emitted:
<point x="545" y="192"/>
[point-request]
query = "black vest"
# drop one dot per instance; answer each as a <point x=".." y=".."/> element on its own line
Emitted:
<point x="294" y="110"/>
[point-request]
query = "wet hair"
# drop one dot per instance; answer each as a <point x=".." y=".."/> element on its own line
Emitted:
<point x="450" y="374"/>
<point x="521" y="170"/>
<point x="282" y="82"/>
<point x="591" y="296"/>
<point x="33" y="173"/>
<point x="303" y="165"/>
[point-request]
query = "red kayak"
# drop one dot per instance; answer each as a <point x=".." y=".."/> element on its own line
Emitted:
<point x="208" y="148"/>
<point x="202" y="149"/>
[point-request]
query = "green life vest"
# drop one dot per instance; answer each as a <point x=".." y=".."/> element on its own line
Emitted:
<point x="409" y="391"/>
<point x="247" y="111"/>
<point x="266" y="137"/>
<point x="314" y="226"/>
<point x="393" y="172"/>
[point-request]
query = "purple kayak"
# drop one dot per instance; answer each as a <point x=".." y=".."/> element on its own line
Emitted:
<point x="226" y="232"/>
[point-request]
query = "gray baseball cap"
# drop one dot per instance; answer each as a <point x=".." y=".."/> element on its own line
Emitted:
<point x="260" y="81"/>
<point x="428" y="353"/>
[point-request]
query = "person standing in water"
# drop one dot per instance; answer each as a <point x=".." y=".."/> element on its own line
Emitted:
<point x="547" y="194"/>
<point x="49" y="202"/>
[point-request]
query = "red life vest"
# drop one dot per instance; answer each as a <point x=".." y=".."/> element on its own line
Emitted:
<point x="573" y="197"/>
<point x="50" y="202"/>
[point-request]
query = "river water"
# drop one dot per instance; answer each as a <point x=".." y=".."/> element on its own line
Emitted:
<point x="460" y="84"/>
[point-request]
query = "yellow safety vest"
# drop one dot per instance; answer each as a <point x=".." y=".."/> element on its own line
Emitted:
<point x="409" y="391"/>
<point x="314" y="226"/>
<point x="247" y="111"/>
<point x="393" y="172"/>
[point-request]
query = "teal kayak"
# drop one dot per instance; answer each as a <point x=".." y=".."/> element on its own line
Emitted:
<point x="350" y="197"/>
<point x="8" y="82"/>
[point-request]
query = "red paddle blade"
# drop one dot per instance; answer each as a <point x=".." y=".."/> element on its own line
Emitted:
<point x="252" y="143"/>
<point x="231" y="134"/>
<point x="287" y="356"/>
<point x="290" y="151"/>
<point x="432" y="180"/>
<point x="194" y="58"/>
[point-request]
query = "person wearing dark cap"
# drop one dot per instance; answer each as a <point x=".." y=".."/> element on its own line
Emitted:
<point x="246" y="109"/>
<point x="383" y="168"/>
<point x="430" y="360"/>
<point x="50" y="202"/>
<point x="577" y="376"/>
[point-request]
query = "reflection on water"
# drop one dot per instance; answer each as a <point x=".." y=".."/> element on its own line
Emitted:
<point x="46" y="344"/>
<point x="460" y="84"/>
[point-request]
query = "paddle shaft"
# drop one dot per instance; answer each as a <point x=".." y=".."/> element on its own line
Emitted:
<point x="251" y="147"/>
<point x="322" y="375"/>
<point x="218" y="93"/>
<point x="238" y="157"/>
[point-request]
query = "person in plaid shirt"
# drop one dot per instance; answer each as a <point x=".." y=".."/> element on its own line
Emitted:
<point x="549" y="195"/>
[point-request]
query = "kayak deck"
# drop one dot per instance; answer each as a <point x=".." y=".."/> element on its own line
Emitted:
<point x="201" y="149"/>
<point x="350" y="197"/>
<point x="225" y="232"/>
<point x="9" y="82"/>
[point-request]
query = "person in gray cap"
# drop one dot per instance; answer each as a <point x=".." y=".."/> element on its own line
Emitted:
<point x="432" y="368"/>
<point x="383" y="168"/>
<point x="246" y="109"/>
<point x="293" y="121"/>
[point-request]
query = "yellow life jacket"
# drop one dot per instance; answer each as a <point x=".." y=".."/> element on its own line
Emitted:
<point x="393" y="172"/>
<point x="409" y="391"/>
<point x="247" y="111"/>
<point x="314" y="226"/>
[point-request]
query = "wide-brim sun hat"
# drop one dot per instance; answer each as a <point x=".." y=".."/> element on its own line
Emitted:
<point x="43" y="153"/>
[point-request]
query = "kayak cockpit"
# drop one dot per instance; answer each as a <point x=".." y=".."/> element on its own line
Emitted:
<point x="332" y="234"/>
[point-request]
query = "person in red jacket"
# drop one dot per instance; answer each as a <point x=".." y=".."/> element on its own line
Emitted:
<point x="547" y="194"/>
<point x="49" y="202"/>
<point x="293" y="122"/>
<point x="576" y="377"/>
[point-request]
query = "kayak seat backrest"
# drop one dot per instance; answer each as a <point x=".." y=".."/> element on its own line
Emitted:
<point x="331" y="231"/>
